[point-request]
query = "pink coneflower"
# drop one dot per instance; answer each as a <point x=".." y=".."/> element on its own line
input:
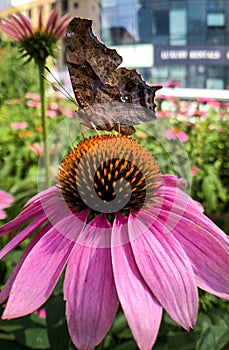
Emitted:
<point x="40" y="42"/>
<point x="126" y="234"/>
<point x="31" y="103"/>
<point x="37" y="148"/>
<point x="194" y="170"/>
<point x="6" y="199"/>
<point x="33" y="96"/>
<point x="172" y="83"/>
<point x="51" y="114"/>
<point x="18" y="125"/>
<point x="174" y="134"/>
<point x="68" y="112"/>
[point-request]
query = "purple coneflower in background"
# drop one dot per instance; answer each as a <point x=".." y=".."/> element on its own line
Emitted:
<point x="39" y="42"/>
<point x="126" y="234"/>
<point x="6" y="199"/>
<point x="175" y="134"/>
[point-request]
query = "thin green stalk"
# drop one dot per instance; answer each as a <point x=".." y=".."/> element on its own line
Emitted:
<point x="41" y="70"/>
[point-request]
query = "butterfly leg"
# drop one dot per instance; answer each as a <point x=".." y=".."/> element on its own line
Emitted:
<point x="95" y="129"/>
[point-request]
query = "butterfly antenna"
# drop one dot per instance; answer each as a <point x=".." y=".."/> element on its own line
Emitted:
<point x="63" y="91"/>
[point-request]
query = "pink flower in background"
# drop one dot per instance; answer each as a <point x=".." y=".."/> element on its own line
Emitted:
<point x="38" y="42"/>
<point x="68" y="112"/>
<point x="54" y="107"/>
<point x="41" y="312"/>
<point x="6" y="199"/>
<point x="172" y="83"/>
<point x="18" y="125"/>
<point x="147" y="258"/>
<point x="33" y="96"/>
<point x="174" y="134"/>
<point x="51" y="114"/>
<point x="194" y="170"/>
<point x="36" y="148"/>
<point x="19" y="27"/>
<point x="31" y="103"/>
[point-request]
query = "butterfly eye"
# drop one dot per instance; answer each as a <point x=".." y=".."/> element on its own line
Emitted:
<point x="126" y="99"/>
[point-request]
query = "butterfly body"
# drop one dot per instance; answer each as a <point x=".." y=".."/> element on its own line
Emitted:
<point x="109" y="98"/>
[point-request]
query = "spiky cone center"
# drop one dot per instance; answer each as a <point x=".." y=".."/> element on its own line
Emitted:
<point x="109" y="174"/>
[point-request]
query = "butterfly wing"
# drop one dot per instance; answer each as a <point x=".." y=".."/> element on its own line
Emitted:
<point x="90" y="64"/>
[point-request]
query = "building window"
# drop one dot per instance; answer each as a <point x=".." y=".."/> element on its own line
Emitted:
<point x="75" y="5"/>
<point x="162" y="22"/>
<point x="29" y="13"/>
<point x="215" y="20"/>
<point x="53" y="5"/>
<point x="178" y="27"/>
<point x="64" y="6"/>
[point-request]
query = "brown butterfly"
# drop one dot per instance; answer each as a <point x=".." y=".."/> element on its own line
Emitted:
<point x="109" y="98"/>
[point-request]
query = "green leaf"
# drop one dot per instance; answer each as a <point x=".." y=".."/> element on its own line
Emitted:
<point x="34" y="338"/>
<point x="56" y="323"/>
<point x="207" y="341"/>
<point x="27" y="331"/>
<point x="130" y="345"/>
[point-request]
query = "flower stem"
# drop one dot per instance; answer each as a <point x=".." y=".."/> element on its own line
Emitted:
<point x="41" y="71"/>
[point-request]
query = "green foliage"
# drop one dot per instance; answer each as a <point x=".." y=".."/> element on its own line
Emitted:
<point x="16" y="77"/>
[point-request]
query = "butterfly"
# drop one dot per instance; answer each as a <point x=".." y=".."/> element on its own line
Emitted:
<point x="109" y="98"/>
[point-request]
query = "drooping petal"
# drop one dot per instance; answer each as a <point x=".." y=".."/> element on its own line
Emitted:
<point x="19" y="25"/>
<point x="28" y="213"/>
<point x="178" y="202"/>
<point x="209" y="257"/>
<point x="89" y="289"/>
<point x="165" y="268"/>
<point x="4" y="294"/>
<point x="142" y="310"/>
<point x="12" y="33"/>
<point x="38" y="274"/>
<point x="21" y="236"/>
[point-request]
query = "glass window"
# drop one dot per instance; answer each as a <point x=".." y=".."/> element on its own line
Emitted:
<point x="215" y="20"/>
<point x="178" y="26"/>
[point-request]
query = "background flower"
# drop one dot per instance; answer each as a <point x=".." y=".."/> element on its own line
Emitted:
<point x="6" y="199"/>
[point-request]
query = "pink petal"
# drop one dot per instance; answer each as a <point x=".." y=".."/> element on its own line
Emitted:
<point x="142" y="310"/>
<point x="2" y="214"/>
<point x="166" y="269"/>
<point x="19" y="24"/>
<point x="181" y="204"/>
<point x="12" y="33"/>
<point x="40" y="21"/>
<point x="21" y="236"/>
<point x="60" y="29"/>
<point x="27" y="23"/>
<point x="52" y="20"/>
<point x="4" y="294"/>
<point x="28" y="213"/>
<point x="89" y="290"/>
<point x="38" y="274"/>
<point x="6" y="199"/>
<point x="208" y="256"/>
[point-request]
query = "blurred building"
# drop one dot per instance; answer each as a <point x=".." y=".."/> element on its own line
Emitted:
<point x="182" y="40"/>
